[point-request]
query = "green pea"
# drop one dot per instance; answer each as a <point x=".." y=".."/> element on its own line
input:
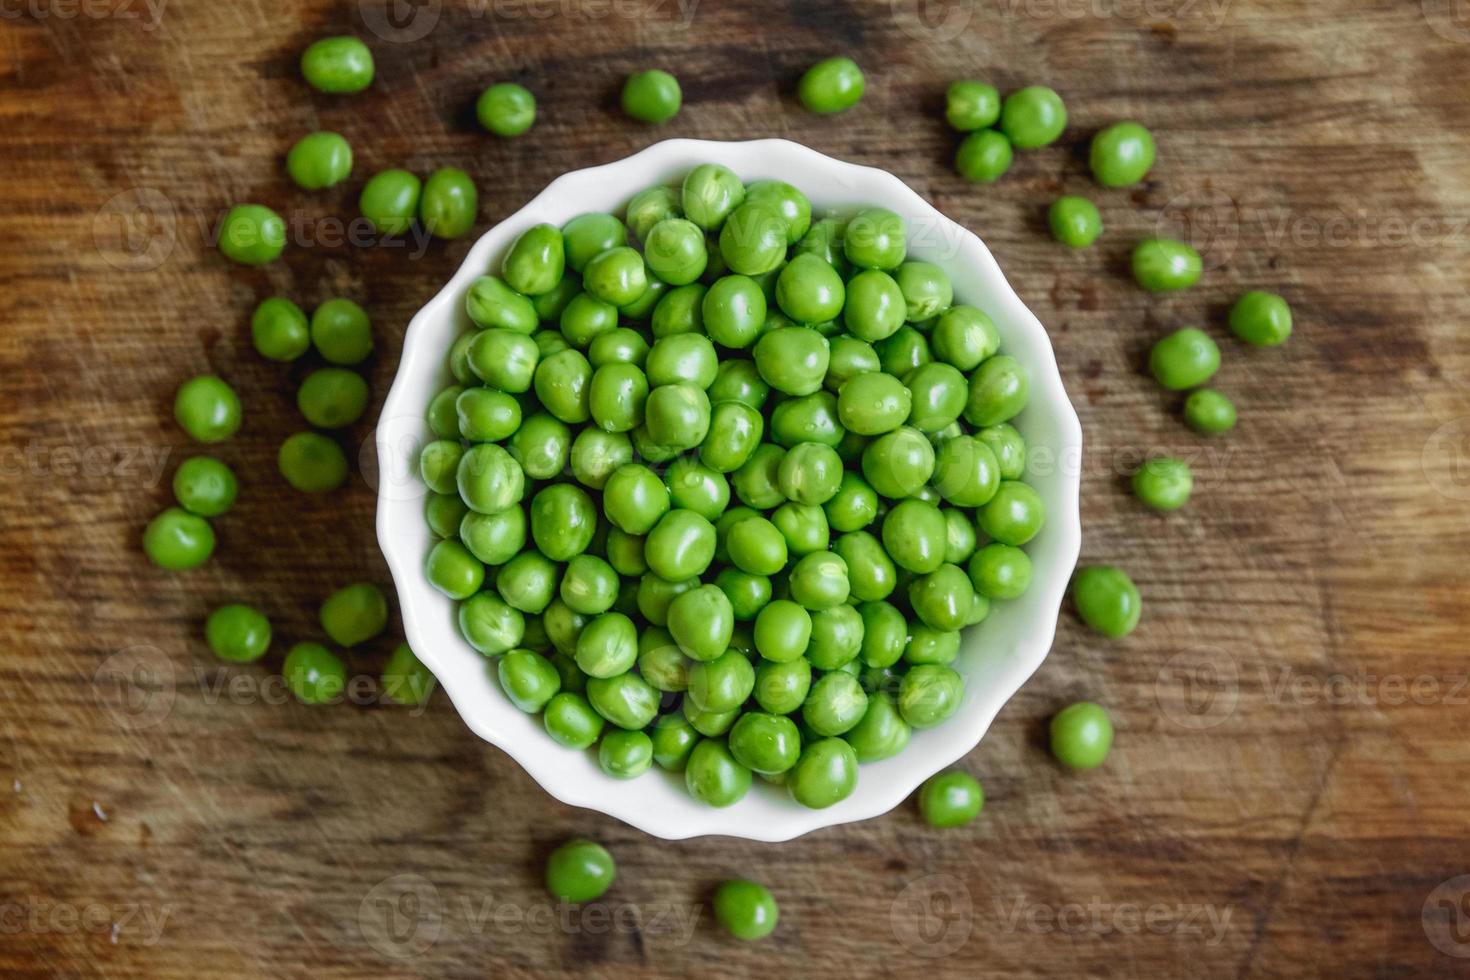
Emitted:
<point x="1184" y="359"/>
<point x="389" y="201"/>
<point x="810" y="418"/>
<point x="489" y="479"/>
<point x="673" y="742"/>
<point x="1000" y="571"/>
<point x="1107" y="600"/>
<point x="971" y="105"/>
<point x="721" y="684"/>
<point x="928" y="645"/>
<point x="693" y="486"/>
<point x="752" y="240"/>
<point x="914" y="536"/>
<point x="824" y="240"/>
<point x="449" y="203"/>
<point x="652" y="96"/>
<point x="616" y="397"/>
<point x="735" y="431"/>
<point x="700" y="621"/>
<point x="585" y="318"/>
<point x="406" y="680"/>
<point x="711" y="724"/>
<point x="1081" y="735"/>
<point x="444" y="512"/>
<point x="881" y="733"/>
<point x="785" y="200"/>
<point x="621" y="346"/>
<point x="626" y="700"/>
<point x="746" y="593"/>
<point x="746" y="910"/>
<point x="279" y="329"/>
<point x="898" y="463"/>
<point x="314" y="674"/>
<point x="875" y="238"/>
<point x="885" y="634"/>
<point x="739" y="381"/>
<point x="354" y="614"/>
<point x="1209" y="412"/>
<point x="625" y="552"/>
<point x="319" y="160"/>
<point x="541" y="446"/>
<point x="634" y="498"/>
<point x="563" y="519"/>
<point x="442" y="416"/>
<point x="684" y="357"/>
<point x="942" y="598"/>
<point x="1033" y="117"/>
<point x="854" y="506"/>
<point x="504" y="359"/>
<point x="528" y="679"/>
<point x="871" y="574"/>
<point x="831" y="85"/>
<point x="1162" y="265"/>
<point x="491" y="303"/>
<point x="757" y="546"/>
<point x="1163" y="483"/>
<point x="810" y="474"/>
<point x="929" y="694"/>
<point x="837" y="637"/>
<point x="876" y="307"/>
<point x="710" y="193"/>
<point x="337" y="65"/>
<point x="819" y="581"/>
<point x="780" y="688"/>
<point x="536" y="261"/>
<point x="734" y="311"/>
<point x="562" y="383"/>
<point x="984" y="156"/>
<point x="675" y="251"/>
<point x="312" y="463"/>
<point x="252" y="234"/>
<point x="1261" y="319"/>
<point x="238" y="633"/>
<point x="439" y="462"/>
<point x="207" y="408"/>
<point x="570" y="720"/>
<point x="1121" y="154"/>
<point x="1014" y="515"/>
<point x="825" y="774"/>
<point x="713" y="776"/>
<point x="1009" y="449"/>
<point x="966" y="472"/>
<point x="963" y="337"/>
<point x="783" y="630"/>
<point x="927" y="290"/>
<point x="959" y="543"/>
<point x="677" y="416"/>
<point x="849" y="358"/>
<point x="804" y="527"/>
<point x="506" y="109"/>
<point x="624" y="755"/>
<point x="680" y="310"/>
<point x="494" y="538"/>
<point x="680" y="546"/>
<point x="999" y="390"/>
<point x="607" y="646"/>
<point x="563" y="628"/>
<point x="950" y="799"/>
<point x="589" y="585"/>
<point x="901" y="353"/>
<point x="205" y="486"/>
<point x="333" y="398"/>
<point x="528" y="582"/>
<point x="793" y="360"/>
<point x="342" y="332"/>
<point x="649" y="207"/>
<point x="939" y="394"/>
<point x="579" y="871"/>
<point x="453" y="570"/>
<point x="1074" y="221"/>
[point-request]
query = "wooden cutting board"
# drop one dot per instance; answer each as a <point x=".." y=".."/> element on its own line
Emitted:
<point x="1286" y="797"/>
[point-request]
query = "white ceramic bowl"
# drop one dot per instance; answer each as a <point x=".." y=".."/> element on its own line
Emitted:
<point x="997" y="656"/>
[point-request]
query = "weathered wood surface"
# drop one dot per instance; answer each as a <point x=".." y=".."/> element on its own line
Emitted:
<point x="1287" y="796"/>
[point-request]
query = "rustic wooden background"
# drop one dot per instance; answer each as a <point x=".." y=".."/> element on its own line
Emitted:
<point x="1286" y="797"/>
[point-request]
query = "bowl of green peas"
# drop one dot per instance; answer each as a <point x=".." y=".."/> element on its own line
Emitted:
<point x="730" y="489"/>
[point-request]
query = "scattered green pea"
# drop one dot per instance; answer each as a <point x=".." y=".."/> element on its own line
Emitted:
<point x="1081" y="735"/>
<point x="506" y="109"/>
<point x="652" y="96"/>
<point x="1075" y="221"/>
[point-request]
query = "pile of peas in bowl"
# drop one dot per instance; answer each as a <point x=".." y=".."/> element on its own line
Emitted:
<point x="720" y="482"/>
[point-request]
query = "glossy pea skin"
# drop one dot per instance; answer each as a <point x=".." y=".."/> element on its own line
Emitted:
<point x="680" y="310"/>
<point x="1121" y="154"/>
<point x="757" y="546"/>
<point x="713" y="776"/>
<point x="252" y="234"/>
<point x="810" y="473"/>
<point x="710" y="193"/>
<point x="528" y="679"/>
<point x="178" y="540"/>
<point x="680" y="546"/>
<point x="1033" y="117"/>
<point x="734" y="311"/>
<point x="506" y="109"/>
<point x="563" y="382"/>
<point x="207" y="408"/>
<point x="950" y="799"/>
<point x="1009" y="449"/>
<point x="942" y="598"/>
<point x="238" y="633"/>
<point x="783" y="630"/>
<point x="528" y="582"/>
<point x="685" y="357"/>
<point x="536" y="261"/>
<point x="651" y="96"/>
<point x="735" y="431"/>
<point x="854" y="506"/>
<point x="914" y="535"/>
<point x="453" y="570"/>
<point x="1000" y="571"/>
<point x="621" y="346"/>
<point x="848" y="358"/>
<point x="793" y="360"/>
<point x="589" y="585"/>
<point x="780" y="688"/>
<point x="570" y="720"/>
<point x="825" y="774"/>
<point x="747" y="910"/>
<point x="332" y="398"/>
<point x="405" y="679"/>
<point x="1261" y="319"/>
<point x="389" y="201"/>
<point x="875" y="238"/>
<point x="624" y="755"/>
<point x="319" y="160"/>
<point x="824" y="240"/>
<point x="700" y="622"/>
<point x="885" y="633"/>
<point x="647" y="208"/>
<point x="881" y="733"/>
<point x="448" y="203"/>
<point x="984" y="156"/>
<point x="1081" y="735"/>
<point x="491" y="303"/>
<point x="341" y="332"/>
<point x="563" y="519"/>
<point x="963" y="337"/>
<point x="1164" y="265"/>
<point x="314" y="674"/>
<point x="444" y="512"/>
<point x="489" y="479"/>
<point x="999" y="390"/>
<point x="634" y="499"/>
<point x="1209" y="412"/>
<point x="673" y="742"/>
<point x="596" y="455"/>
<point x="929" y="694"/>
<point x="579" y="871"/>
<point x="338" y="65"/>
<point x="901" y="353"/>
<point x="831" y="85"/>
<point x="970" y="105"/>
<point x="1107" y="600"/>
<point x="541" y="446"/>
<point x="675" y="251"/>
<point x="1163" y="483"/>
<point x="788" y="202"/>
<point x="752" y="240"/>
<point x="627" y="700"/>
<point x="280" y="330"/>
<point x="927" y="290"/>
<point x="837" y="637"/>
<point x="819" y="581"/>
<point x="504" y="359"/>
<point x="1074" y="221"/>
<point x="897" y="464"/>
<point x="1014" y="515"/>
<point x="804" y="527"/>
<point x="966" y="472"/>
<point x="871" y="572"/>
<point x="1186" y="358"/>
<point x="312" y="463"/>
<point x="439" y="462"/>
<point x="939" y="394"/>
<point x="588" y="235"/>
<point x="694" y="486"/>
<point x="746" y="593"/>
<point x="875" y="307"/>
<point x="205" y="486"/>
<point x="721" y="684"/>
<point x="616" y="397"/>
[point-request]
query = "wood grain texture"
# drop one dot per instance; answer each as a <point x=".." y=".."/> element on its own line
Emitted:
<point x="1286" y="795"/>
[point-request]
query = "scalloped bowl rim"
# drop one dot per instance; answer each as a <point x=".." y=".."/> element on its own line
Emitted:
<point x="1017" y="636"/>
